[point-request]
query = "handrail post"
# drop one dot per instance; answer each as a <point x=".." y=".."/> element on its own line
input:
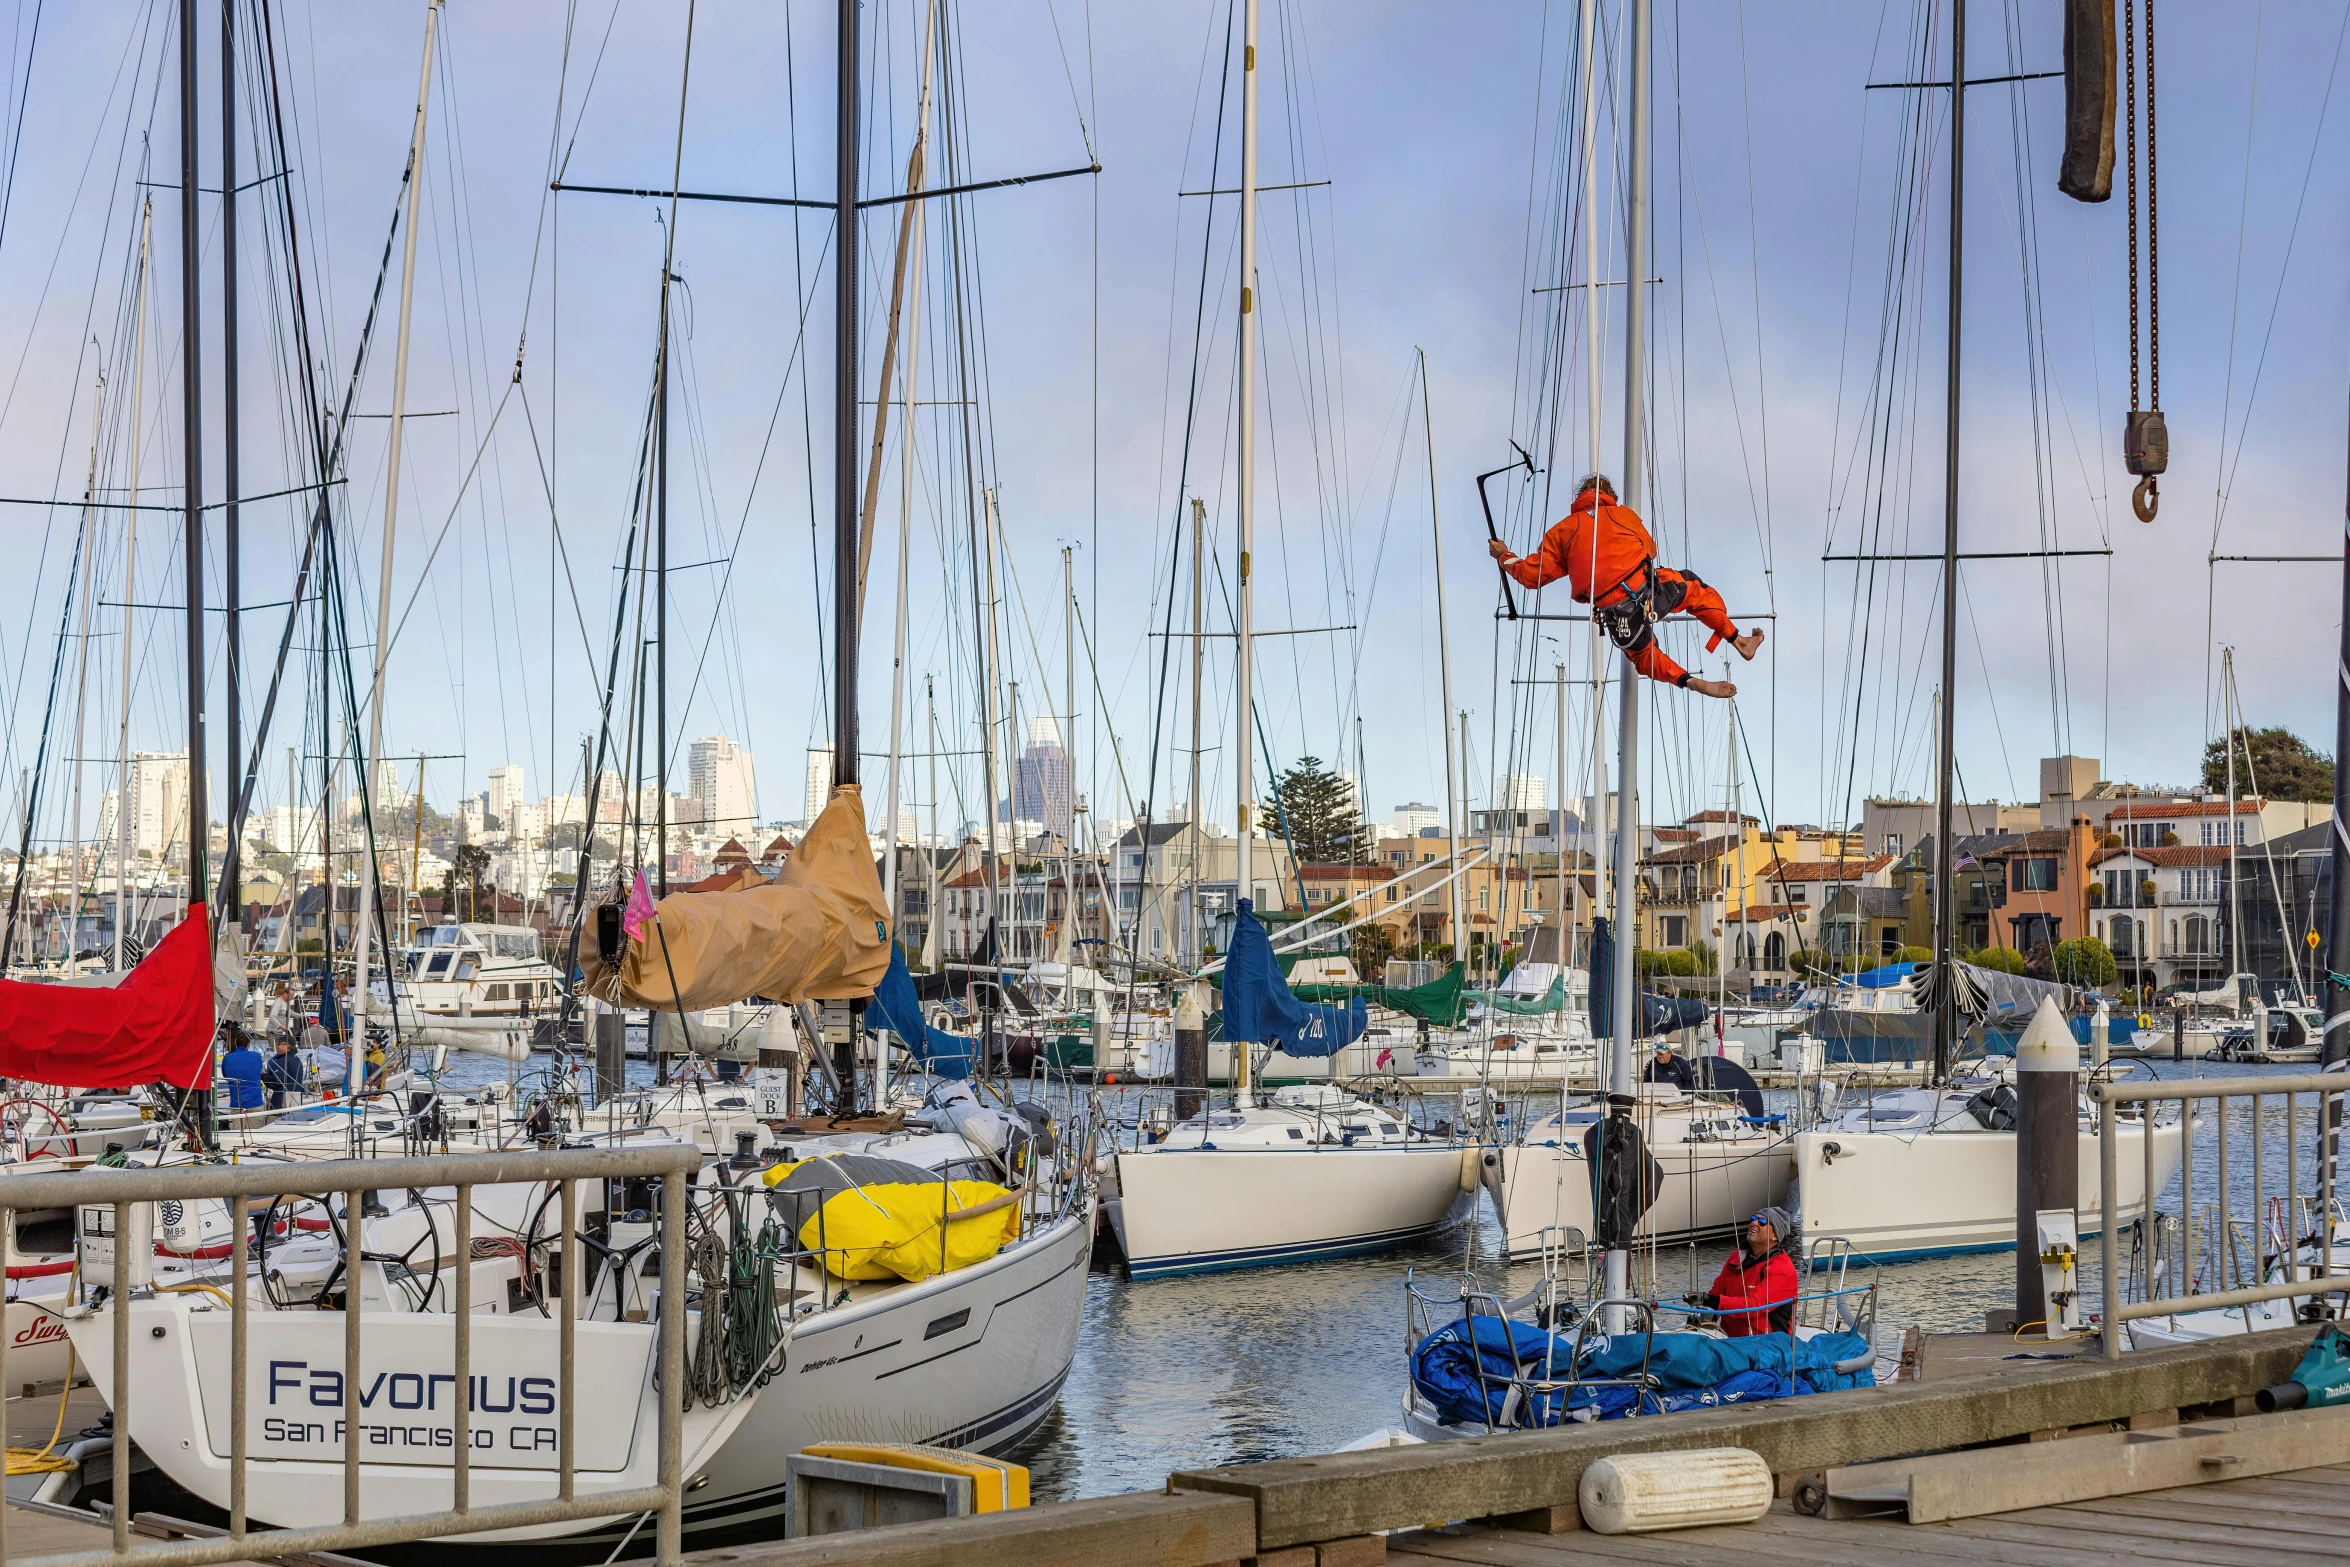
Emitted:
<point x="8" y="1249"/>
<point x="2109" y="1212"/>
<point x="240" y="1214"/>
<point x="354" y="1216"/>
<point x="119" y="1302"/>
<point x="461" y="1498"/>
<point x="670" y="1542"/>
<point x="566" y="1458"/>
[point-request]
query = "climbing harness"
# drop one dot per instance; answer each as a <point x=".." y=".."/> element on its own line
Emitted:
<point x="2145" y="438"/>
<point x="1631" y="620"/>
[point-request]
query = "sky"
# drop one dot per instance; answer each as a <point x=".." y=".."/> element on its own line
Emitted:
<point x="1794" y="387"/>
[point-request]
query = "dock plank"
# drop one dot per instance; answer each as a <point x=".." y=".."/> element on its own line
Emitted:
<point x="1334" y="1496"/>
<point x="2171" y="1543"/>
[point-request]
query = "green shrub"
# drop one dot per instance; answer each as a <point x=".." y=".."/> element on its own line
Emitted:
<point x="2085" y="960"/>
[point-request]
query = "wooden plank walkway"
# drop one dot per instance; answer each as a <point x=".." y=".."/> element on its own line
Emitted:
<point x="2273" y="1521"/>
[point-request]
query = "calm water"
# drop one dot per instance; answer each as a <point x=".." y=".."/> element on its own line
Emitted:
<point x="1274" y="1362"/>
<point x="1234" y="1367"/>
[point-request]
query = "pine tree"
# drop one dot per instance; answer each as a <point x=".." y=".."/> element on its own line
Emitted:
<point x="1315" y="809"/>
<point x="2278" y="761"/>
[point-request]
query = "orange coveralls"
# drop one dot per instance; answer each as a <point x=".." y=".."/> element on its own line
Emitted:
<point x="1601" y="542"/>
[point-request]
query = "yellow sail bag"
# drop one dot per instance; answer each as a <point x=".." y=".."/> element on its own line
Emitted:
<point x="911" y="1231"/>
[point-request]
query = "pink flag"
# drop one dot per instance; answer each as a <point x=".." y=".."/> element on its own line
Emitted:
<point x="639" y="912"/>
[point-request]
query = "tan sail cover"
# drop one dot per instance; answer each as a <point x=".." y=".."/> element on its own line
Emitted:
<point x="818" y="932"/>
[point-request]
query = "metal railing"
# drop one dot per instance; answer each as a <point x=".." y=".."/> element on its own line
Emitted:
<point x="122" y="1188"/>
<point x="2251" y="1256"/>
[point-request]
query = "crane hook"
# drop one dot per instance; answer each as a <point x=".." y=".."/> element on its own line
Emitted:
<point x="2145" y="500"/>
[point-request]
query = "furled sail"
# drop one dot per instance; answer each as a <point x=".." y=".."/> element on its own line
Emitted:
<point x="1258" y="1005"/>
<point x="818" y="932"/>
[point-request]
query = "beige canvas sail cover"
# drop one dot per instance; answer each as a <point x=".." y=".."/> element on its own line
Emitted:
<point x="818" y="932"/>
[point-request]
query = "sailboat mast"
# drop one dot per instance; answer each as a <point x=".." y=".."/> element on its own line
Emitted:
<point x="232" y="879"/>
<point x="1626" y="990"/>
<point x="81" y="661"/>
<point x="1243" y="711"/>
<point x="661" y="503"/>
<point x="844" y="412"/>
<point x="363" y="918"/>
<point x="987" y="724"/>
<point x="1455" y="808"/>
<point x="909" y="259"/>
<point x="1199" y="547"/>
<point x="933" y="947"/>
<point x="2337" y="960"/>
<point x="130" y="596"/>
<point x="1069" y="767"/>
<point x="1558" y="834"/>
<point x="192" y="455"/>
<point x="1945" y="997"/>
<point x="2233" y="724"/>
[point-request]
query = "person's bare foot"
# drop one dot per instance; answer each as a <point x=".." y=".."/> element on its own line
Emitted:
<point x="1720" y="688"/>
<point x="1748" y="643"/>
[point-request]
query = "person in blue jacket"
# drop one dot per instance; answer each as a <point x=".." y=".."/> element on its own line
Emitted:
<point x="285" y="1074"/>
<point x="241" y="1069"/>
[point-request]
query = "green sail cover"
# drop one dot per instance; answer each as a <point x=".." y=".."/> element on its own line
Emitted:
<point x="1442" y="1002"/>
<point x="1552" y="1000"/>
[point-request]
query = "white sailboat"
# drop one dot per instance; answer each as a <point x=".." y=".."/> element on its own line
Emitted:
<point x="1307" y="1172"/>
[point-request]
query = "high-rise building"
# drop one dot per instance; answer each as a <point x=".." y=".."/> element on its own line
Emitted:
<point x="1522" y="792"/>
<point x="1040" y="788"/>
<point x="387" y="786"/>
<point x="505" y="792"/>
<point x="819" y="788"/>
<point x="159" y="801"/>
<point x="724" y="790"/>
<point x="1413" y="818"/>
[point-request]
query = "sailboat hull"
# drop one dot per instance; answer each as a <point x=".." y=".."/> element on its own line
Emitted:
<point x="1901" y="1195"/>
<point x="1207" y="1210"/>
<point x="971" y="1359"/>
<point x="1710" y="1187"/>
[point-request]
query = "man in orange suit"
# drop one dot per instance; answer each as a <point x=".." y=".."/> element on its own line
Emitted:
<point x="1609" y="559"/>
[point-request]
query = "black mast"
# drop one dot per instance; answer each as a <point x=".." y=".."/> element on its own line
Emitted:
<point x="192" y="459"/>
<point x="2337" y="1032"/>
<point x="1945" y="905"/>
<point x="661" y="593"/>
<point x="844" y="415"/>
<point x="231" y="872"/>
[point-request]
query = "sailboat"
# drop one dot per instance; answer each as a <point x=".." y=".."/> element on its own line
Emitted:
<point x="1933" y="1170"/>
<point x="1308" y="1171"/>
<point x="971" y="1355"/>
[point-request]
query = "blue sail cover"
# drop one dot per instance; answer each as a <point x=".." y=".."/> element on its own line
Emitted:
<point x="1260" y="1008"/>
<point x="1658" y="1014"/>
<point x="896" y="1008"/>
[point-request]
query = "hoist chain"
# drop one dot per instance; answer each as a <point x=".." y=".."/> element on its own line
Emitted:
<point x="2153" y="238"/>
<point x="2145" y="438"/>
<point x="2130" y="123"/>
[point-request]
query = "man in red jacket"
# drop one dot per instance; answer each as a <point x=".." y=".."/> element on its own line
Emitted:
<point x="1755" y="1291"/>
<point x="1608" y="557"/>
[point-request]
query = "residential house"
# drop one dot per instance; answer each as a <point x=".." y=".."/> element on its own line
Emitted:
<point x="1173" y="885"/>
<point x="2159" y="909"/>
<point x="2208" y="822"/>
<point x="2042" y="882"/>
<point x="1805" y="885"/>
<point x="1768" y="940"/>
<point x="2283" y="897"/>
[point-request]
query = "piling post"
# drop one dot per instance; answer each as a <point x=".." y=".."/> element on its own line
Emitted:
<point x="2047" y="1173"/>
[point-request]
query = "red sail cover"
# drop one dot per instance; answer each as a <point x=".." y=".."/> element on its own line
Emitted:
<point x="155" y="1026"/>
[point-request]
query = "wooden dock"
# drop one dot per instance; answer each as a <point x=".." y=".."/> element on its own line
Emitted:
<point x="2277" y="1521"/>
<point x="1511" y="1501"/>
